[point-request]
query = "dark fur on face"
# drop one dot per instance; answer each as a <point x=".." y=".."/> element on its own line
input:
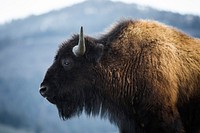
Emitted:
<point x="144" y="76"/>
<point x="72" y="79"/>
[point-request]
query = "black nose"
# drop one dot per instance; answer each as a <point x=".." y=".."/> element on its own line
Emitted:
<point x="43" y="90"/>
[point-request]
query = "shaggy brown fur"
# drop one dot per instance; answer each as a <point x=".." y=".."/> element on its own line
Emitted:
<point x="143" y="75"/>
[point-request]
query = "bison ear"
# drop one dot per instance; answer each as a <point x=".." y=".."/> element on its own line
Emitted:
<point x="95" y="53"/>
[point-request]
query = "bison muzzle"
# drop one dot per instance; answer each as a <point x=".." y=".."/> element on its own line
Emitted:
<point x="143" y="75"/>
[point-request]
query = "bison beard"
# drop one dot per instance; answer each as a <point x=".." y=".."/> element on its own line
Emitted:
<point x="142" y="75"/>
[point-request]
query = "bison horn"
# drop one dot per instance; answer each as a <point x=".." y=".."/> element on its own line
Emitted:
<point x="80" y="49"/>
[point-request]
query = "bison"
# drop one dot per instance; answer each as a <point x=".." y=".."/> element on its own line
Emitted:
<point x="142" y="75"/>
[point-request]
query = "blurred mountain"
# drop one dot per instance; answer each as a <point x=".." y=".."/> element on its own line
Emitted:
<point x="27" y="48"/>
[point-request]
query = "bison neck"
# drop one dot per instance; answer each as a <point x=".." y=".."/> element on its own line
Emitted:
<point x="117" y="81"/>
<point x="116" y="90"/>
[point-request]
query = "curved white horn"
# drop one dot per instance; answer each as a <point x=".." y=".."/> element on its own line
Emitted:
<point x="80" y="49"/>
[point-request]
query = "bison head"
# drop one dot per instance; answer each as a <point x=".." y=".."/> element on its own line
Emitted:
<point x="70" y="80"/>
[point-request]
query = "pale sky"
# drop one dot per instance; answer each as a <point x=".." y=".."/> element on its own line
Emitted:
<point x="14" y="9"/>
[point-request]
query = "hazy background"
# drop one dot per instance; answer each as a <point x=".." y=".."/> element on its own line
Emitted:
<point x="29" y="42"/>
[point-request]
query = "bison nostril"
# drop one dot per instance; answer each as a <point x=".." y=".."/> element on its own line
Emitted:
<point x="43" y="90"/>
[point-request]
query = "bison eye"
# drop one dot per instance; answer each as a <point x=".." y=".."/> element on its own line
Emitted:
<point x="67" y="64"/>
